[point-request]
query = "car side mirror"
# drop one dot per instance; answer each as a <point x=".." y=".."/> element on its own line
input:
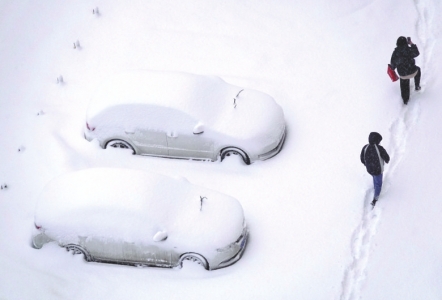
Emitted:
<point x="160" y="236"/>
<point x="199" y="128"/>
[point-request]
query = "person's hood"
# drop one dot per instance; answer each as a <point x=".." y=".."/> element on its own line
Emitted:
<point x="401" y="42"/>
<point x="374" y="138"/>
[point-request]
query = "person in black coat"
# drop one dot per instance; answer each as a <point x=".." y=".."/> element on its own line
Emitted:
<point x="373" y="157"/>
<point x="403" y="59"/>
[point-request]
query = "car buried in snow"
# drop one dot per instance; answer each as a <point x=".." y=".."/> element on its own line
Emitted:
<point x="132" y="217"/>
<point x="180" y="115"/>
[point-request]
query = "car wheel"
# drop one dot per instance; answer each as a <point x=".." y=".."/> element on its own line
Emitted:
<point x="76" y="249"/>
<point x="120" y="144"/>
<point x="195" y="257"/>
<point x="235" y="151"/>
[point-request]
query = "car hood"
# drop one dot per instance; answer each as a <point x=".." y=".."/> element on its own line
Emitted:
<point x="256" y="116"/>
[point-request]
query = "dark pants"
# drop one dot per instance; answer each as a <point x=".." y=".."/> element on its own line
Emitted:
<point x="405" y="85"/>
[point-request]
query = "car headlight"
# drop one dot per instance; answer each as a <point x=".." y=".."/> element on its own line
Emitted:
<point x="238" y="241"/>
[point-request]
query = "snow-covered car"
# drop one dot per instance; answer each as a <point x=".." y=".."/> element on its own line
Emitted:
<point x="180" y="115"/>
<point x="132" y="217"/>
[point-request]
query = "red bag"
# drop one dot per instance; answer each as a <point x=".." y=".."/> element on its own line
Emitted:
<point x="392" y="73"/>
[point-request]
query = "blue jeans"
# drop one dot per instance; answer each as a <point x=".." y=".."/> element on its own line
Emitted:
<point x="377" y="183"/>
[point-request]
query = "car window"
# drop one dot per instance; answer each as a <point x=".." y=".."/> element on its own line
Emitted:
<point x="143" y="116"/>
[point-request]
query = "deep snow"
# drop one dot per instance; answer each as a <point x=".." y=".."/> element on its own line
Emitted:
<point x="312" y="233"/>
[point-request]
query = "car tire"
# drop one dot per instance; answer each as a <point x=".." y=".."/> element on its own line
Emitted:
<point x="234" y="150"/>
<point x="195" y="257"/>
<point x="119" y="144"/>
<point x="77" y="249"/>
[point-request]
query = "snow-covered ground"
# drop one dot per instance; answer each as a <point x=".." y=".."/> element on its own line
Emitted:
<point x="312" y="233"/>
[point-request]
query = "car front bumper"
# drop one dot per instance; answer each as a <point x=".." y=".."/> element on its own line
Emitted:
<point x="242" y="243"/>
<point x="275" y="150"/>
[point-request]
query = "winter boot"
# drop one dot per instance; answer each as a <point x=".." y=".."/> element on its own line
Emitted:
<point x="418" y="88"/>
<point x="374" y="202"/>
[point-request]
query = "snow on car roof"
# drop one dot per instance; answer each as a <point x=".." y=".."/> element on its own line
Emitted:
<point x="202" y="97"/>
<point x="134" y="205"/>
<point x="206" y="99"/>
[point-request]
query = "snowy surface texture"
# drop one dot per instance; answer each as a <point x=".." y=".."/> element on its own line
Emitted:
<point x="133" y="205"/>
<point x="313" y="235"/>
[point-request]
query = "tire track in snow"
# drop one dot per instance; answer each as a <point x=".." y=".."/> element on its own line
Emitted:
<point x="361" y="239"/>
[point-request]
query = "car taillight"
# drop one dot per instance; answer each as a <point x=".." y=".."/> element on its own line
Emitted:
<point x="89" y="127"/>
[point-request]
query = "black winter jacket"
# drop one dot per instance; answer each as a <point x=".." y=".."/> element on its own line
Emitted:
<point x="370" y="157"/>
<point x="403" y="59"/>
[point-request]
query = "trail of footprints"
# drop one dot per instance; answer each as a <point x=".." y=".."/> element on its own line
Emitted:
<point x="361" y="240"/>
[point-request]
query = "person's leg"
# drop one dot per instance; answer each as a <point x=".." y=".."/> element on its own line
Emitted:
<point x="405" y="89"/>
<point x="377" y="183"/>
<point x="417" y="79"/>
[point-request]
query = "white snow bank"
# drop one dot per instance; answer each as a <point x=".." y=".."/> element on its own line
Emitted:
<point x="133" y="206"/>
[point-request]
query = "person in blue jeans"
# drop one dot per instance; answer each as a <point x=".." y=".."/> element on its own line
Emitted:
<point x="373" y="157"/>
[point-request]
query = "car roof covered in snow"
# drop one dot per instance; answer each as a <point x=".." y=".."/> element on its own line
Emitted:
<point x="134" y="205"/>
<point x="205" y="99"/>
<point x="197" y="95"/>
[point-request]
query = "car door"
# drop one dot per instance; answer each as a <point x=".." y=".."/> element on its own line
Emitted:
<point x="142" y="127"/>
<point x="189" y="145"/>
<point x="148" y="254"/>
<point x="118" y="251"/>
<point x="150" y="142"/>
<point x="104" y="249"/>
<point x="183" y="142"/>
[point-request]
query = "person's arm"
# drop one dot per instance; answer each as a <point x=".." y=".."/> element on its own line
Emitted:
<point x="414" y="50"/>
<point x="384" y="154"/>
<point x="395" y="60"/>
<point x="363" y="155"/>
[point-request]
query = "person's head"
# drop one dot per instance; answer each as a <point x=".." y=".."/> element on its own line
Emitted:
<point x="401" y="41"/>
<point x="374" y="138"/>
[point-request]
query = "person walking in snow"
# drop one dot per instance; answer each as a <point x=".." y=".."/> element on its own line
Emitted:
<point x="373" y="157"/>
<point x="403" y="59"/>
